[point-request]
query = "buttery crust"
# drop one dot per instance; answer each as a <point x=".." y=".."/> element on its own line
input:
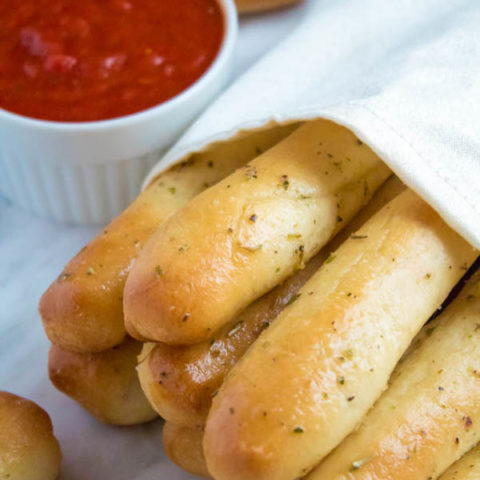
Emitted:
<point x="104" y="383"/>
<point x="183" y="445"/>
<point x="250" y="6"/>
<point x="82" y="309"/>
<point x="180" y="381"/>
<point x="28" y="449"/>
<point x="239" y="239"/>
<point x="430" y="414"/>
<point x="311" y="377"/>
<point x="467" y="468"/>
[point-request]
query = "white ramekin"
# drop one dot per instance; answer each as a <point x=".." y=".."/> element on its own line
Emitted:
<point x="89" y="172"/>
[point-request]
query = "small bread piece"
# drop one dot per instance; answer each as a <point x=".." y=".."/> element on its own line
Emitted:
<point x="180" y="381"/>
<point x="239" y="239"/>
<point x="105" y="383"/>
<point x="310" y="378"/>
<point x="183" y="445"/>
<point x="430" y="414"/>
<point x="82" y="309"/>
<point x="467" y="468"/>
<point x="250" y="6"/>
<point x="28" y="449"/>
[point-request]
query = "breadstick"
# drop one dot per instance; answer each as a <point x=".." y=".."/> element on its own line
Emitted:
<point x="467" y="468"/>
<point x="104" y="383"/>
<point x="28" y="449"/>
<point x="82" y="309"/>
<point x="430" y="415"/>
<point x="249" y="6"/>
<point x="183" y="445"/>
<point x="311" y="377"/>
<point x="180" y="381"/>
<point x="239" y="239"/>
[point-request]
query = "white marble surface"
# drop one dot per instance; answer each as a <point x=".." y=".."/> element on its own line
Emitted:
<point x="32" y="253"/>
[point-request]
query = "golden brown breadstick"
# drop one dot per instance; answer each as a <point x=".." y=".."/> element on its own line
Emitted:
<point x="239" y="239"/>
<point x="180" y="381"/>
<point x="104" y="383"/>
<point x="310" y="378"/>
<point x="183" y="445"/>
<point x="467" y="468"/>
<point x="28" y="449"/>
<point x="249" y="6"/>
<point x="82" y="309"/>
<point x="430" y="414"/>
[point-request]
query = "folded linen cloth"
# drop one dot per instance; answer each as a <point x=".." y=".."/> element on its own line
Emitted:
<point x="404" y="76"/>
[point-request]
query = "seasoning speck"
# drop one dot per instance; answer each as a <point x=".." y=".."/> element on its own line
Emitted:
<point x="159" y="271"/>
<point x="294" y="298"/>
<point x="298" y="430"/>
<point x="235" y="328"/>
<point x="429" y="331"/>
<point x="468" y="422"/>
<point x="358" y="464"/>
<point x="251" y="172"/>
<point x="358" y="237"/>
<point x="252" y="248"/>
<point x="330" y="259"/>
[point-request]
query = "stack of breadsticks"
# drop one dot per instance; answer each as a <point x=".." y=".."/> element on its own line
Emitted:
<point x="273" y="290"/>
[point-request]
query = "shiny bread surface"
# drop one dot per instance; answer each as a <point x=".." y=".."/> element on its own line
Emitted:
<point x="467" y="468"/>
<point x="180" y="381"/>
<point x="82" y="309"/>
<point x="310" y="378"/>
<point x="245" y="235"/>
<point x="430" y="415"/>
<point x="104" y="383"/>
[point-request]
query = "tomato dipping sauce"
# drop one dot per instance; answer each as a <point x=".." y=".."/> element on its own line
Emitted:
<point x="86" y="60"/>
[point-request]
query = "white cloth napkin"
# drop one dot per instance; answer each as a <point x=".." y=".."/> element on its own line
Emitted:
<point x="403" y="75"/>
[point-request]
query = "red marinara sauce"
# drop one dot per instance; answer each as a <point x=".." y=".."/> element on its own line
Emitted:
<point x="85" y="60"/>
